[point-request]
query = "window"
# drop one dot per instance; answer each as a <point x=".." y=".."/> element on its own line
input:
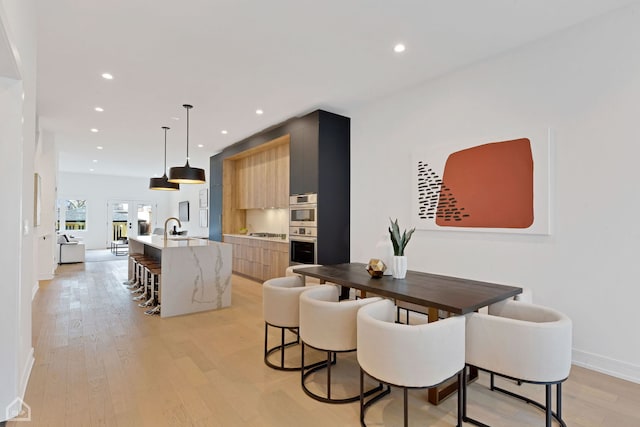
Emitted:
<point x="75" y="214"/>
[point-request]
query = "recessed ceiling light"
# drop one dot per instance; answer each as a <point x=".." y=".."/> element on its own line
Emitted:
<point x="107" y="76"/>
<point x="95" y="161"/>
<point x="99" y="109"/>
<point x="90" y="170"/>
<point x="175" y="118"/>
<point x="94" y="130"/>
<point x="200" y="145"/>
<point x="99" y="147"/>
<point x="259" y="112"/>
<point x="224" y="132"/>
<point x="399" y="48"/>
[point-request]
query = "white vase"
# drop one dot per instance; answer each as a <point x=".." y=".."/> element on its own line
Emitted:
<point x="384" y="251"/>
<point x="399" y="267"/>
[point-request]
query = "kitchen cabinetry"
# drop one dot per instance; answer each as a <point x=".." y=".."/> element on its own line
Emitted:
<point x="319" y="162"/>
<point x="262" y="179"/>
<point x="258" y="258"/>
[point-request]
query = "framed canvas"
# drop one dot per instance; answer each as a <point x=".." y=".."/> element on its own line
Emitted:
<point x="204" y="218"/>
<point x="496" y="184"/>
<point x="204" y="198"/>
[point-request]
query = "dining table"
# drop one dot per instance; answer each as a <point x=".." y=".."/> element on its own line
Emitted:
<point x="436" y="293"/>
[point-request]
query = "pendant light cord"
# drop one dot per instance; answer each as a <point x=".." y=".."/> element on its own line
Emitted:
<point x="165" y="148"/>
<point x="188" y="107"/>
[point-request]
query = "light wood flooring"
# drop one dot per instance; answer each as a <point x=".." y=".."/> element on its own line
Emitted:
<point x="99" y="361"/>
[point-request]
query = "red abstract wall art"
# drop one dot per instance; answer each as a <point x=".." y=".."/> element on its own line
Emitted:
<point x="499" y="185"/>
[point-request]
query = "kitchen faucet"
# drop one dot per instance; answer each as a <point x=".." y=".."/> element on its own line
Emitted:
<point x="165" y="227"/>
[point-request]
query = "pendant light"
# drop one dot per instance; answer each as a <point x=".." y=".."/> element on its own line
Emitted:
<point x="163" y="183"/>
<point x="187" y="174"/>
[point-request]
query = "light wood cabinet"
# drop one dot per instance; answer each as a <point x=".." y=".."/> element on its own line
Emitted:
<point x="259" y="259"/>
<point x="262" y="178"/>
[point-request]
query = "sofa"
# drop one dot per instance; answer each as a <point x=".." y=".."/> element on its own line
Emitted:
<point x="70" y="250"/>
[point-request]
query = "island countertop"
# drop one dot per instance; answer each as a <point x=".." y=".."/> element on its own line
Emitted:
<point x="173" y="242"/>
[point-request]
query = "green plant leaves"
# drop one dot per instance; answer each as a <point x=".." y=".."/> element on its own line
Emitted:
<point x="399" y="242"/>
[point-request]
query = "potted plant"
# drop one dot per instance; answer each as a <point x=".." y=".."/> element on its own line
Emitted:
<point x="399" y="242"/>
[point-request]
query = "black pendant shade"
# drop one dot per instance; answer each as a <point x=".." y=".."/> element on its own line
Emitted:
<point x="186" y="174"/>
<point x="163" y="183"/>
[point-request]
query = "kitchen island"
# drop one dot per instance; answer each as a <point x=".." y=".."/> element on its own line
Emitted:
<point x="196" y="273"/>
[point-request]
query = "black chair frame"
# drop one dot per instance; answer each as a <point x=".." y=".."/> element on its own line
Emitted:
<point x="365" y="405"/>
<point x="550" y="415"/>
<point x="281" y="348"/>
<point x="331" y="360"/>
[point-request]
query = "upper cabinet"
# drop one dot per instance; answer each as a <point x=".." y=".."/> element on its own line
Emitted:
<point x="262" y="178"/>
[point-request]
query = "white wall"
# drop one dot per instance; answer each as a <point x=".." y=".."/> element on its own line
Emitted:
<point x="190" y="193"/>
<point x="98" y="190"/>
<point x="17" y="146"/>
<point x="45" y="164"/>
<point x="584" y="83"/>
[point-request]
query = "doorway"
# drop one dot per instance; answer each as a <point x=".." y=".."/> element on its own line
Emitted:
<point x="129" y="219"/>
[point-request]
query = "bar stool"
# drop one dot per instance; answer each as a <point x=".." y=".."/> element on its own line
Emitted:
<point x="147" y="279"/>
<point x="154" y="301"/>
<point x="134" y="280"/>
<point x="138" y="285"/>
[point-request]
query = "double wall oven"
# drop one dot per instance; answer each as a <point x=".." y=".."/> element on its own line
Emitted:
<point x="303" y="228"/>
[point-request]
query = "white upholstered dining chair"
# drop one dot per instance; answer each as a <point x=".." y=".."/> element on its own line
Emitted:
<point x="523" y="342"/>
<point x="408" y="356"/>
<point x="281" y="310"/>
<point x="328" y="325"/>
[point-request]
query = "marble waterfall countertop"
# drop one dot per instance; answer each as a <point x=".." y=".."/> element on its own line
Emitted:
<point x="195" y="273"/>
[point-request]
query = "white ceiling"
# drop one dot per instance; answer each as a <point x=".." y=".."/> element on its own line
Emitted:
<point x="230" y="57"/>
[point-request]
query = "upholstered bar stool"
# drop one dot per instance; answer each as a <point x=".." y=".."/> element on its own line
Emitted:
<point x="408" y="356"/>
<point x="281" y="310"/>
<point x="328" y="325"/>
<point x="140" y="263"/>
<point x="522" y="342"/>
<point x="152" y="272"/>
<point x="147" y="279"/>
<point x="154" y="301"/>
<point x="134" y="280"/>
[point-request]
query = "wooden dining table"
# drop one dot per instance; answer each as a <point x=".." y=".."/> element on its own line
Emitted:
<point x="434" y="292"/>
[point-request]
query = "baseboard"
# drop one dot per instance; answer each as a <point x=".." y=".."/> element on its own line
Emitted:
<point x="24" y="380"/>
<point x="606" y="365"/>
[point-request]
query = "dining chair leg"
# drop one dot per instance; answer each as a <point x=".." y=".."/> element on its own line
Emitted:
<point x="461" y="391"/>
<point x="362" y="397"/>
<point x="282" y="347"/>
<point x="559" y="400"/>
<point x="328" y="375"/>
<point x="548" y="411"/>
<point x="406" y="407"/>
<point x="464" y="392"/>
